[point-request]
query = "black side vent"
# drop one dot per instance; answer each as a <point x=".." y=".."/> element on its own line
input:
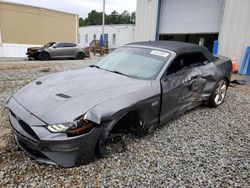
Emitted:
<point x="27" y="128"/>
<point x="63" y="95"/>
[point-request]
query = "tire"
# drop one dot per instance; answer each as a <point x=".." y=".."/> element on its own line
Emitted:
<point x="219" y="93"/>
<point x="80" y="56"/>
<point x="44" y="56"/>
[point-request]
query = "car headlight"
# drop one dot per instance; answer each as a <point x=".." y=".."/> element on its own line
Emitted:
<point x="77" y="127"/>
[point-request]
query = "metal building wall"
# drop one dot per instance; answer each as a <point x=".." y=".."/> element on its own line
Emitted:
<point x="146" y="20"/>
<point x="30" y="25"/>
<point x="234" y="36"/>
<point x="23" y="26"/>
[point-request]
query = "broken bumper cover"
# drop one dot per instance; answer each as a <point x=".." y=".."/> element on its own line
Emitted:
<point x="59" y="149"/>
<point x="32" y="54"/>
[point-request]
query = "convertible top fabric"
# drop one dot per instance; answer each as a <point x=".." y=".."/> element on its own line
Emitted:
<point x="177" y="47"/>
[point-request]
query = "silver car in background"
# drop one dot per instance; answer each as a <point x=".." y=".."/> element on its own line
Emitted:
<point x="57" y="50"/>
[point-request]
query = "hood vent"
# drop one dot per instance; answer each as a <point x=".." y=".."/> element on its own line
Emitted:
<point x="63" y="95"/>
<point x="38" y="82"/>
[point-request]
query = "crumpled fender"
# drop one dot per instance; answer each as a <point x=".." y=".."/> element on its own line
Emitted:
<point x="113" y="110"/>
<point x="115" y="107"/>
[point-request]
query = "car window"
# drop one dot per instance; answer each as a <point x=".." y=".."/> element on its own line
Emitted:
<point x="186" y="61"/>
<point x="60" y="45"/>
<point x="138" y="63"/>
<point x="65" y="45"/>
<point x="69" y="45"/>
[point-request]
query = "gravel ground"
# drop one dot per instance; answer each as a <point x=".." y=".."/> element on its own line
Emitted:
<point x="203" y="148"/>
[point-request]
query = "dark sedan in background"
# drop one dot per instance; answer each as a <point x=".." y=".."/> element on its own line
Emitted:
<point x="58" y="50"/>
<point x="66" y="118"/>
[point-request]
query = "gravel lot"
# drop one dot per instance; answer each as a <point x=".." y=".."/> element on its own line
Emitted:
<point x="203" y="148"/>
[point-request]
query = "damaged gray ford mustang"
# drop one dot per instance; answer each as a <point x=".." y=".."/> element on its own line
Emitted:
<point x="66" y="118"/>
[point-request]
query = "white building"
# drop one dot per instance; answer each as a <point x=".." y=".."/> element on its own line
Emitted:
<point x="196" y="21"/>
<point x="117" y="35"/>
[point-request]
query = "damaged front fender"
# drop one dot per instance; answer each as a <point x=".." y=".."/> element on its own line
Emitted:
<point x="146" y="103"/>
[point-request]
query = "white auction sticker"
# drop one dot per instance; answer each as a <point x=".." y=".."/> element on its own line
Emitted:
<point x="159" y="53"/>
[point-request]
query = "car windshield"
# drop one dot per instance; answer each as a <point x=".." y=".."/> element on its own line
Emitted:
<point x="49" y="44"/>
<point x="134" y="62"/>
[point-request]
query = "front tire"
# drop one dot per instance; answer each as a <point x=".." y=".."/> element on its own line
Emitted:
<point x="44" y="56"/>
<point x="219" y="94"/>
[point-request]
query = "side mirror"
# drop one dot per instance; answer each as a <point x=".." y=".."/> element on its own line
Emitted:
<point x="55" y="46"/>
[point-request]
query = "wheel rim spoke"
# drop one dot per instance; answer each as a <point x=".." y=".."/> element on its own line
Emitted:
<point x="220" y="92"/>
<point x="217" y="91"/>
<point x="220" y="85"/>
<point x="217" y="98"/>
<point x="223" y="87"/>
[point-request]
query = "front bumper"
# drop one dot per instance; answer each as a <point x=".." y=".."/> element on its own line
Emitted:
<point x="59" y="149"/>
<point x="32" y="54"/>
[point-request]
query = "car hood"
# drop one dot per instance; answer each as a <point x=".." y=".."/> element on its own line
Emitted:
<point x="36" y="48"/>
<point x="62" y="97"/>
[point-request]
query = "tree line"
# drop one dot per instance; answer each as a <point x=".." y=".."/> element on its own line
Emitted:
<point x="95" y="18"/>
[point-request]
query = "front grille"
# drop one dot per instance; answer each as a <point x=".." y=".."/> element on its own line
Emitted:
<point x="25" y="126"/>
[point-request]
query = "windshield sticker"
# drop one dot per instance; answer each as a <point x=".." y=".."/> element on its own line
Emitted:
<point x="159" y="53"/>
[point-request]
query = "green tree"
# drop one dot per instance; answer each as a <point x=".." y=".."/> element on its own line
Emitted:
<point x="95" y="18"/>
<point x="132" y="18"/>
<point x="81" y="22"/>
<point x="113" y="17"/>
<point x="125" y="17"/>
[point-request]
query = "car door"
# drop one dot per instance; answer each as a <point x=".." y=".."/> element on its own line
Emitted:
<point x="57" y="50"/>
<point x="70" y="49"/>
<point x="182" y="85"/>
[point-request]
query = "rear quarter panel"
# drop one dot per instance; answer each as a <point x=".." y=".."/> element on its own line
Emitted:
<point x="224" y="66"/>
<point x="219" y="68"/>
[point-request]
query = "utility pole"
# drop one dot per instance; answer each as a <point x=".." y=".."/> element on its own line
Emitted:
<point x="103" y="19"/>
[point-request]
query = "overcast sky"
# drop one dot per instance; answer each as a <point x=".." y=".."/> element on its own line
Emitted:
<point x="81" y="7"/>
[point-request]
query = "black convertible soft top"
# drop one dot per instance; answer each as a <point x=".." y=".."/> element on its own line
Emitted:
<point x="177" y="47"/>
